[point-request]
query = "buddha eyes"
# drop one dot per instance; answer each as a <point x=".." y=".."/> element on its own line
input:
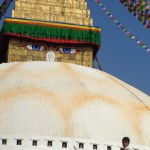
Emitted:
<point x="35" y="47"/>
<point x="67" y="50"/>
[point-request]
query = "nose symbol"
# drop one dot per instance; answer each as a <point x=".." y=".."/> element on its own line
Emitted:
<point x="50" y="56"/>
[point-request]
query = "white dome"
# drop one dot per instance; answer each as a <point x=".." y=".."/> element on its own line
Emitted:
<point x="67" y="100"/>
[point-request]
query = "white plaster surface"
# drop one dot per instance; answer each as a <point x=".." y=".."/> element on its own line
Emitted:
<point x="66" y="100"/>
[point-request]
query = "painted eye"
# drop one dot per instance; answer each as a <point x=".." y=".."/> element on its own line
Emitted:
<point x="35" y="47"/>
<point x="67" y="50"/>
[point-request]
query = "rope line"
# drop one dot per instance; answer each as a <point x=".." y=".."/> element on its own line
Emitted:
<point x="131" y="93"/>
<point x="4" y="7"/>
<point x="140" y="43"/>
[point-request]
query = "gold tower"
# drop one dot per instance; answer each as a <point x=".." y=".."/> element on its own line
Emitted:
<point x="68" y="11"/>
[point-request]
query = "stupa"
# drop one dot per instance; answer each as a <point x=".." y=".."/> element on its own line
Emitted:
<point x="51" y="97"/>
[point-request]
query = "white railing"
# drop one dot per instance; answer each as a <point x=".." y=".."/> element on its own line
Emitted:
<point x="55" y="143"/>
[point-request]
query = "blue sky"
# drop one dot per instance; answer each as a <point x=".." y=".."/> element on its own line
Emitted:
<point x="119" y="55"/>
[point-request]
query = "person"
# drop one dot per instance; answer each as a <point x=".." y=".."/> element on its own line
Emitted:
<point x="125" y="143"/>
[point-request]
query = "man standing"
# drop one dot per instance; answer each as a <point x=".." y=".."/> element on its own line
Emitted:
<point x="125" y="143"/>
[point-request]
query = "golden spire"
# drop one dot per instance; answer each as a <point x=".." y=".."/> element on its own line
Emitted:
<point x="68" y="11"/>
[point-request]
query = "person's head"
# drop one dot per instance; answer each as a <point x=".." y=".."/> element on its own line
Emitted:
<point x="125" y="142"/>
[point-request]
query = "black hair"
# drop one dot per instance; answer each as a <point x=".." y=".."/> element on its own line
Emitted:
<point x="126" y="139"/>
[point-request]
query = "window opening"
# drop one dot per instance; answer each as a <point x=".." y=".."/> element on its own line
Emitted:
<point x="4" y="141"/>
<point x="81" y="145"/>
<point x="34" y="143"/>
<point x="94" y="146"/>
<point x="108" y="147"/>
<point x="49" y="143"/>
<point x="64" y="144"/>
<point x="19" y="142"/>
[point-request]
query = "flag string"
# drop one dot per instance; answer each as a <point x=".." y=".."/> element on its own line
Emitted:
<point x="139" y="9"/>
<point x="140" y="43"/>
<point x="3" y="8"/>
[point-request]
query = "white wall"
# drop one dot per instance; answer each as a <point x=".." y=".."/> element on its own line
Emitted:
<point x="72" y="144"/>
